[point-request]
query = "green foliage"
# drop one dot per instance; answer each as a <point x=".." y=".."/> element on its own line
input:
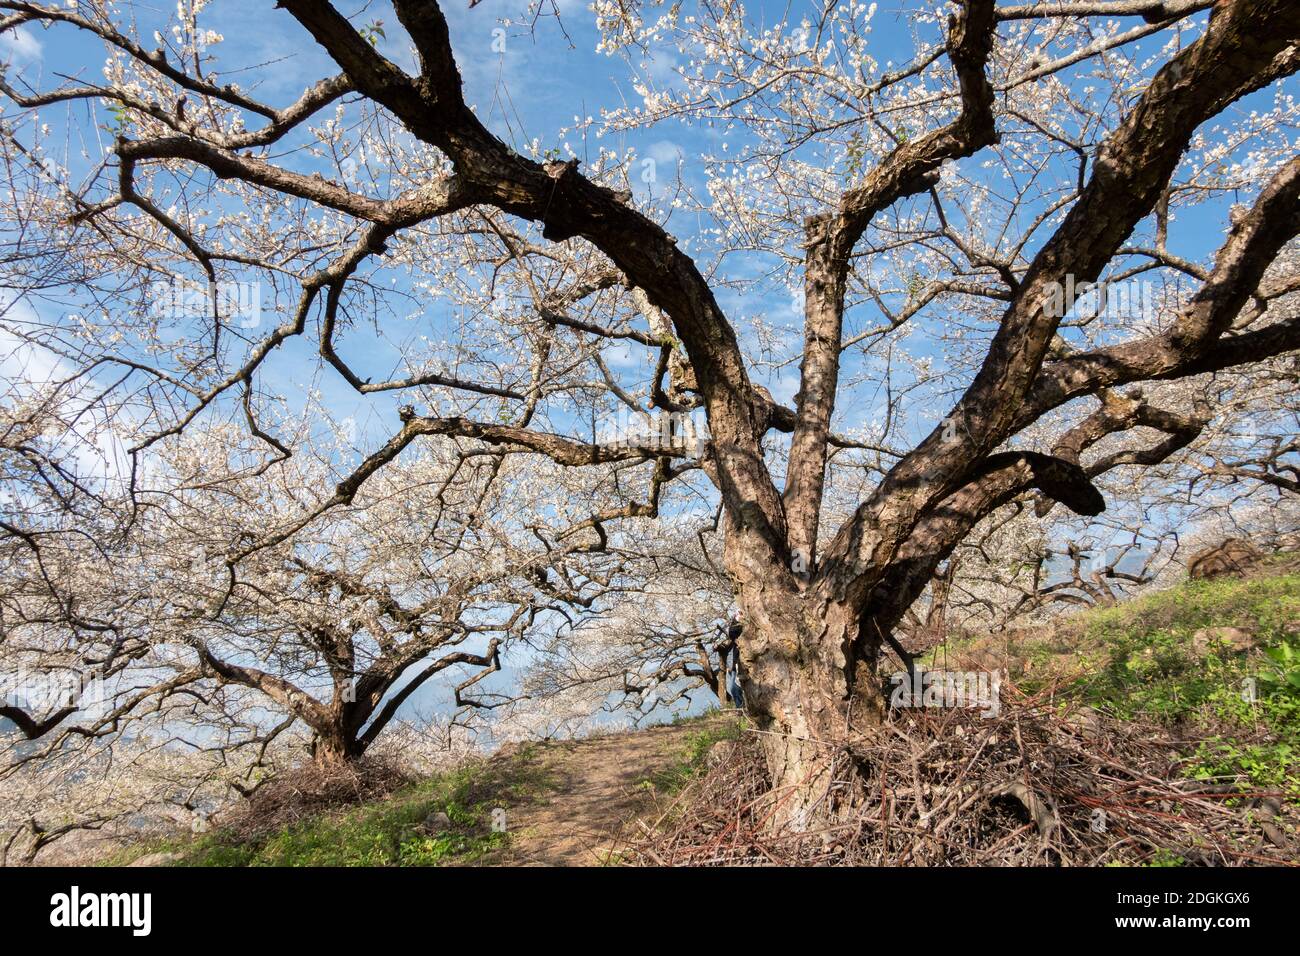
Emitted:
<point x="126" y="855"/>
<point x="915" y="284"/>
<point x="670" y="340"/>
<point x="1270" y="766"/>
<point x="1266" y="602"/>
<point x="392" y="831"/>
<point x="1163" y="857"/>
<point x="1149" y="667"/>
<point x="855" y="152"/>
<point x="1283" y="677"/>
<point x="121" y="118"/>
<point x="690" y="764"/>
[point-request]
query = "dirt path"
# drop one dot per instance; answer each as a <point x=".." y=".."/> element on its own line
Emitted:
<point x="593" y="792"/>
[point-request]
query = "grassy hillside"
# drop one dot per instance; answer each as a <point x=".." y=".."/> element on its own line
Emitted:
<point x="1190" y="658"/>
<point x="1215" y="664"/>
<point x="388" y="832"/>
<point x="447" y="819"/>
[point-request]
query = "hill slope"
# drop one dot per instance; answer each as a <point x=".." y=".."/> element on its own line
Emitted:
<point x="566" y="803"/>
<point x="1216" y="664"/>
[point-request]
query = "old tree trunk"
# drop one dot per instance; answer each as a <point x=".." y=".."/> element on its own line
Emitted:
<point x="816" y="617"/>
<point x="808" y="671"/>
<point x="808" y="685"/>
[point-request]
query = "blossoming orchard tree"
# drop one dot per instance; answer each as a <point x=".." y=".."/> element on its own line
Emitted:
<point x="938" y="219"/>
<point x="331" y="630"/>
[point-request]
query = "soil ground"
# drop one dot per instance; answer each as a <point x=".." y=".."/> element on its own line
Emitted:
<point x="595" y="792"/>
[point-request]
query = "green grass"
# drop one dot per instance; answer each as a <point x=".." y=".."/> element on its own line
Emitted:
<point x="1149" y="665"/>
<point x="391" y="831"/>
<point x="690" y="763"/>
<point x="126" y="855"/>
<point x="1137" y="660"/>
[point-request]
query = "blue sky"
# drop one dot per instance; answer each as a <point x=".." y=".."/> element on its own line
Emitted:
<point x="534" y="87"/>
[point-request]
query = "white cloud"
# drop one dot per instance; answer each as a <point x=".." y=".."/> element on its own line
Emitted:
<point x="19" y="48"/>
<point x="27" y="370"/>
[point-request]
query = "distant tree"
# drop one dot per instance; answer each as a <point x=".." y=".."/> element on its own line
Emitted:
<point x="333" y="627"/>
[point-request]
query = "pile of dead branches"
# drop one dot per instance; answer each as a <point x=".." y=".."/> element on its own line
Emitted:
<point x="1028" y="787"/>
<point x="306" y="791"/>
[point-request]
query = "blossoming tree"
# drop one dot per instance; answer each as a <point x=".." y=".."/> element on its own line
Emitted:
<point x="962" y="196"/>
